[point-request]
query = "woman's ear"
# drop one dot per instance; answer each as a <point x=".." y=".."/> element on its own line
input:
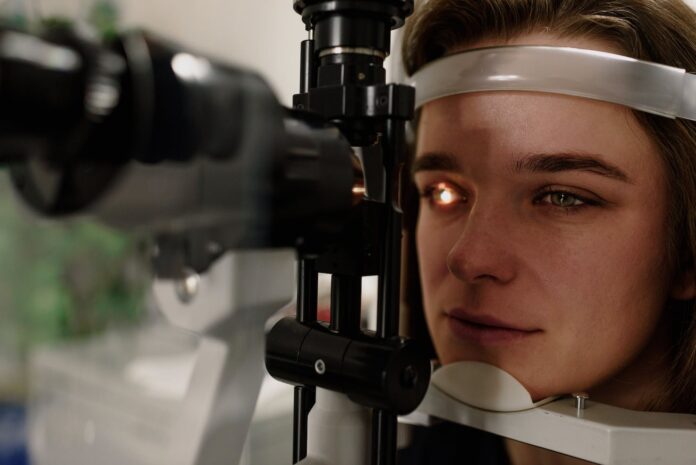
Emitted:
<point x="684" y="286"/>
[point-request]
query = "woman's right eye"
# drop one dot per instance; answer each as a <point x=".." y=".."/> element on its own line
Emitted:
<point x="443" y="196"/>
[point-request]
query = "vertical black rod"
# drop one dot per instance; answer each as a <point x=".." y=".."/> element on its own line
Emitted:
<point x="390" y="263"/>
<point x="384" y="423"/>
<point x="307" y="285"/>
<point x="306" y="312"/>
<point x="345" y="304"/>
<point x="305" y="397"/>
<point x="307" y="66"/>
<point x="384" y="426"/>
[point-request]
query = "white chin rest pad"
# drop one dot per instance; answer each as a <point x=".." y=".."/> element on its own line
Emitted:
<point x="484" y="386"/>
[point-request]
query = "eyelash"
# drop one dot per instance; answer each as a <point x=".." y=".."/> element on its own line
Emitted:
<point x="584" y="201"/>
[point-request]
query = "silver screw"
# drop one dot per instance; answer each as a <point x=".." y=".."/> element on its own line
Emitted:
<point x="320" y="366"/>
<point x="580" y="398"/>
<point x="361" y="76"/>
<point x="187" y="286"/>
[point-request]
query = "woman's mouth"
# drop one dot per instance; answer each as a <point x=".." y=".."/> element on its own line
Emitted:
<point x="486" y="330"/>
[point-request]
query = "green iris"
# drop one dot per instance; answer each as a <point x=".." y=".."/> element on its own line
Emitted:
<point x="563" y="199"/>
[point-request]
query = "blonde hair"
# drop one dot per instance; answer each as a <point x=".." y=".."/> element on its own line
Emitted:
<point x="662" y="31"/>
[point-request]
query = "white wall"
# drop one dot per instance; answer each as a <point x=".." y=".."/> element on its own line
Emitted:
<point x="261" y="34"/>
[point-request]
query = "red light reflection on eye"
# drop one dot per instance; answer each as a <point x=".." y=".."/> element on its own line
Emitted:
<point x="444" y="195"/>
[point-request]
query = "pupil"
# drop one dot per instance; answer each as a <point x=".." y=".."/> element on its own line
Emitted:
<point x="564" y="200"/>
<point x="445" y="195"/>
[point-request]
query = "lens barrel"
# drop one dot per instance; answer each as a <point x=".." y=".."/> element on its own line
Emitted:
<point x="353" y="24"/>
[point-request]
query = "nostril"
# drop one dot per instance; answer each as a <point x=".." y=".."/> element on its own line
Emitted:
<point x="484" y="277"/>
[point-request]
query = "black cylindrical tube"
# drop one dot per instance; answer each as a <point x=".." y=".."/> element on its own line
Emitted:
<point x="389" y="284"/>
<point x="390" y="264"/>
<point x="305" y="397"/>
<point x="390" y="374"/>
<point x="351" y="31"/>
<point x="307" y="284"/>
<point x="314" y="173"/>
<point x="308" y="73"/>
<point x="393" y="11"/>
<point x="345" y="304"/>
<point x="283" y="345"/>
<point x="384" y="426"/>
<point x="305" y="355"/>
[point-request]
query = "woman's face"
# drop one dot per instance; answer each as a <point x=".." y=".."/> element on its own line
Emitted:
<point x="541" y="235"/>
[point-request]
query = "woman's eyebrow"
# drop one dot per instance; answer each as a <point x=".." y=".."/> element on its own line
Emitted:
<point x="557" y="162"/>
<point x="434" y="161"/>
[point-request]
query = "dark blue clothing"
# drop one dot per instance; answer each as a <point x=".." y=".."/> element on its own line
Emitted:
<point x="452" y="444"/>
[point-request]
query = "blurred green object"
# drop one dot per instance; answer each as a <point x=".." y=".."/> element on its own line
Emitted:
<point x="31" y="15"/>
<point x="63" y="280"/>
<point x="104" y="17"/>
<point x="66" y="279"/>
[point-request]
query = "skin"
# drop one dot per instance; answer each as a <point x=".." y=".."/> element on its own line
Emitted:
<point x="574" y="255"/>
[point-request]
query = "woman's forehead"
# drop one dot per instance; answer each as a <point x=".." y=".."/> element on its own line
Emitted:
<point x="515" y="124"/>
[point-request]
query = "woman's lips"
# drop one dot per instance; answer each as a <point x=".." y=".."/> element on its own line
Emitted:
<point x="486" y="329"/>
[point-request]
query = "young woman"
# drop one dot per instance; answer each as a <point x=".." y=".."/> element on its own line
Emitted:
<point x="555" y="235"/>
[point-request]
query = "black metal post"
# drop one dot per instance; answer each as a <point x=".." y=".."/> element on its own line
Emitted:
<point x="345" y="304"/>
<point x="305" y="396"/>
<point x="307" y="284"/>
<point x="308" y="74"/>
<point x="390" y="263"/>
<point x="384" y="425"/>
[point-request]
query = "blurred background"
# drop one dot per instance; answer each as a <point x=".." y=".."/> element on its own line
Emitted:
<point x="74" y="296"/>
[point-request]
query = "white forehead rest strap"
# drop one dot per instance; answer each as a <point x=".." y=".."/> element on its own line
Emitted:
<point x="642" y="85"/>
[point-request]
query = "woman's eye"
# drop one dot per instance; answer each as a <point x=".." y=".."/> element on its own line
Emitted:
<point x="564" y="200"/>
<point x="443" y="195"/>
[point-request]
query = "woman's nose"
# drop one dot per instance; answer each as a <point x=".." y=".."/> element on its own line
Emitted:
<point x="484" y="249"/>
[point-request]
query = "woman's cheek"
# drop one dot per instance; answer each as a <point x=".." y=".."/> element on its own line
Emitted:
<point x="433" y="244"/>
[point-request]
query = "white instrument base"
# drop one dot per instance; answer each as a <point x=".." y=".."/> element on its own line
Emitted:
<point x="600" y="433"/>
